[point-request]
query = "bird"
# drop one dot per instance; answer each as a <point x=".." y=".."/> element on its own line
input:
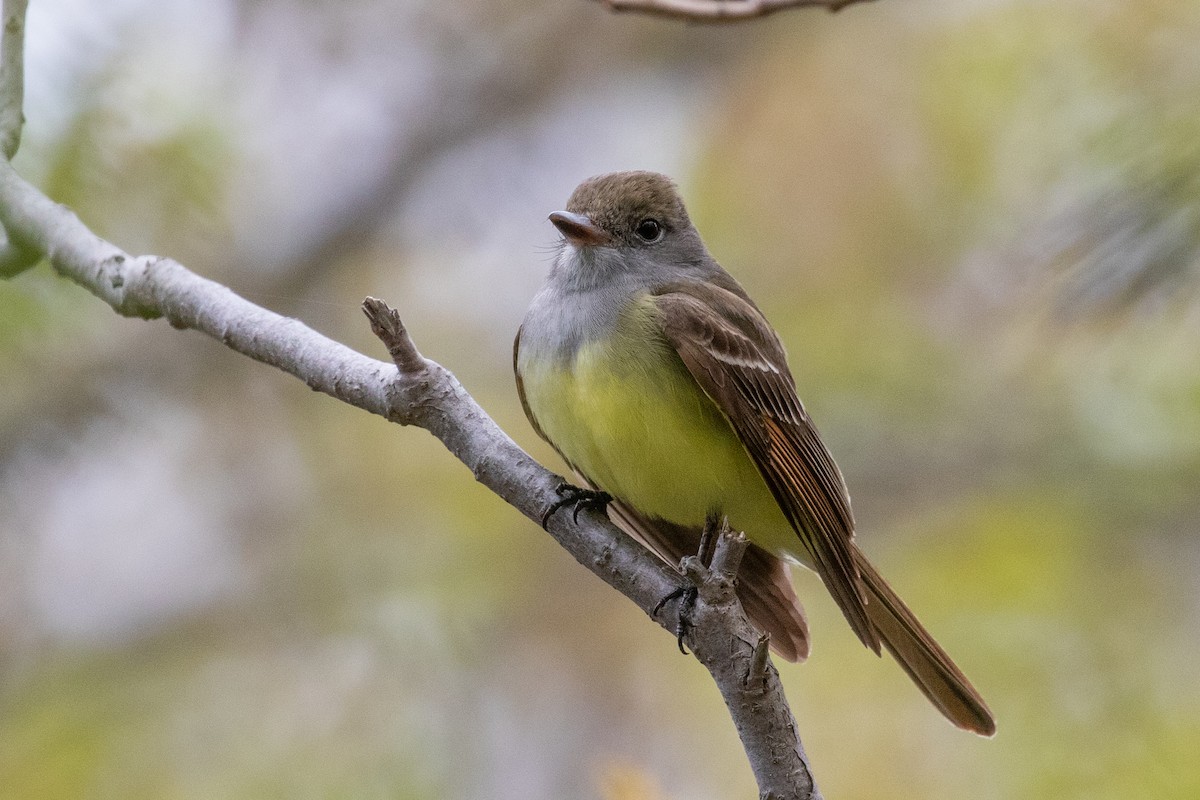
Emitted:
<point x="664" y="388"/>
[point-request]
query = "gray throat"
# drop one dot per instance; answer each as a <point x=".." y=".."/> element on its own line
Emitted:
<point x="586" y="292"/>
<point x="581" y="301"/>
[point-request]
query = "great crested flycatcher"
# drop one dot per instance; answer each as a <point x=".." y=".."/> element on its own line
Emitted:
<point x="654" y="375"/>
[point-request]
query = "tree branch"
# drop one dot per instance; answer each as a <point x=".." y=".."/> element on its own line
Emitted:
<point x="722" y="638"/>
<point x="719" y="11"/>
<point x="422" y="393"/>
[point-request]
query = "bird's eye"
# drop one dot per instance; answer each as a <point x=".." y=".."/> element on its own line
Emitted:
<point x="648" y="230"/>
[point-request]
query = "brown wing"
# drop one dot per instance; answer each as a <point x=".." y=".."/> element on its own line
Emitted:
<point x="735" y="356"/>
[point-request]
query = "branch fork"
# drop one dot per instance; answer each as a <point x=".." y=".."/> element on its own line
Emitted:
<point x="713" y="573"/>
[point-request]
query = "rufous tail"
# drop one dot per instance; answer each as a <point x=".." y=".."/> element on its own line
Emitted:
<point x="921" y="657"/>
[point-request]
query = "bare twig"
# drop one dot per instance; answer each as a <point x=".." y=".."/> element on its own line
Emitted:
<point x="12" y="76"/>
<point x="758" y="664"/>
<point x="386" y="324"/>
<point x="718" y="11"/>
<point x="728" y="552"/>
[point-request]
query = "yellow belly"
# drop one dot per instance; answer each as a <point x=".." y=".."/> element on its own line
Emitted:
<point x="629" y="416"/>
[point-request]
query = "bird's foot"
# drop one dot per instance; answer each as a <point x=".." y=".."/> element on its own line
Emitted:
<point x="687" y="601"/>
<point x="713" y="571"/>
<point x="569" y="495"/>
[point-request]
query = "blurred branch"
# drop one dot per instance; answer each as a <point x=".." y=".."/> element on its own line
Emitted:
<point x="720" y="10"/>
<point x="14" y="259"/>
<point x="12" y="77"/>
<point x="422" y="393"/>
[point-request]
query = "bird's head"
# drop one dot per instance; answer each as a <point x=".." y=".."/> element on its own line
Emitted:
<point x="628" y="222"/>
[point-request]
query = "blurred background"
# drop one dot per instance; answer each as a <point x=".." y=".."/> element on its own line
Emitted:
<point x="976" y="226"/>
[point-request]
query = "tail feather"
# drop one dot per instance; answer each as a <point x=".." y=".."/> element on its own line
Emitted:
<point x="934" y="673"/>
<point x="765" y="589"/>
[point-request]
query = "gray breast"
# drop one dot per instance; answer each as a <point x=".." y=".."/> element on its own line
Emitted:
<point x="582" y="301"/>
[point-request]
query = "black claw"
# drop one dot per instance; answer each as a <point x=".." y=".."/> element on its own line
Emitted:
<point x="684" y="623"/>
<point x="578" y="498"/>
<point x="677" y="593"/>
<point x="714" y="525"/>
